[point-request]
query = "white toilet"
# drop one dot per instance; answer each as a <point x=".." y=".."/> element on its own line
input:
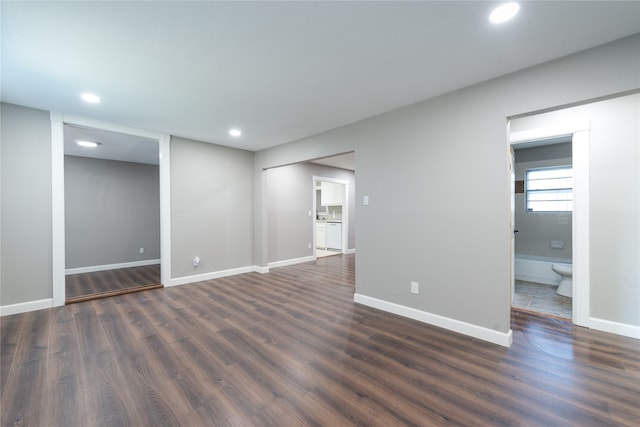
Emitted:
<point x="566" y="285"/>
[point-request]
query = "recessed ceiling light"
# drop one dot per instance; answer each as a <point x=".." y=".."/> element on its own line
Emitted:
<point x="235" y="132"/>
<point x="504" y="12"/>
<point x="90" y="97"/>
<point x="89" y="144"/>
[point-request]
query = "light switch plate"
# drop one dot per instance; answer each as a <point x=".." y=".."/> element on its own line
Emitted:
<point x="415" y="288"/>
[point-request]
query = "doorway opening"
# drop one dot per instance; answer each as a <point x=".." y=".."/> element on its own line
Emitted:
<point x="292" y="211"/>
<point x="543" y="211"/>
<point x="578" y="134"/>
<point x="112" y="213"/>
<point x="67" y="124"/>
<point x="331" y="225"/>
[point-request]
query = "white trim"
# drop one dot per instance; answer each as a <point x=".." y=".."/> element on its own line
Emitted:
<point x="165" y="208"/>
<point x="104" y="267"/>
<point x="623" y="329"/>
<point x="57" y="210"/>
<point x="24" y="307"/>
<point x="57" y="205"/>
<point x="215" y="275"/>
<point x="350" y="251"/>
<point x="97" y="124"/>
<point x="261" y="270"/>
<point x="580" y="133"/>
<point x="580" y="230"/>
<point x="567" y="128"/>
<point x="501" y="338"/>
<point x="345" y="210"/>
<point x="292" y="261"/>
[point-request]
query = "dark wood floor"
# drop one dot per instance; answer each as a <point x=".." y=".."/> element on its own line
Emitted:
<point x="100" y="284"/>
<point x="290" y="348"/>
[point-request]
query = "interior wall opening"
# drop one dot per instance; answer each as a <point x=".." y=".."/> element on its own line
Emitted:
<point x="112" y="213"/>
<point x="304" y="199"/>
<point x="543" y="239"/>
<point x="578" y="132"/>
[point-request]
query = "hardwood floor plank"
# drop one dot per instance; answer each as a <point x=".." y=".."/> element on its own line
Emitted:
<point x="101" y="284"/>
<point x="11" y="328"/>
<point x="290" y="348"/>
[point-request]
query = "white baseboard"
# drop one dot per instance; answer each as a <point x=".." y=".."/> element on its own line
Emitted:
<point x="24" y="307"/>
<point x="350" y="251"/>
<point x="216" y="274"/>
<point x="292" y="261"/>
<point x="623" y="329"/>
<point x="261" y="270"/>
<point x="94" y="268"/>
<point x="501" y="338"/>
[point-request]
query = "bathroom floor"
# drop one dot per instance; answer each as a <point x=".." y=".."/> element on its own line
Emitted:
<point x="541" y="298"/>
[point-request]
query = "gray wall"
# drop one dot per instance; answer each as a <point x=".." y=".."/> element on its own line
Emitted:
<point x="614" y="199"/>
<point x="211" y="207"/>
<point x="419" y="165"/>
<point x="537" y="229"/>
<point x="25" y="153"/>
<point x="112" y="209"/>
<point x="289" y="194"/>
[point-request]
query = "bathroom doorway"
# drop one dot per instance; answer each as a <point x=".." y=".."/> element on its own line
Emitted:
<point x="543" y="213"/>
<point x="524" y="135"/>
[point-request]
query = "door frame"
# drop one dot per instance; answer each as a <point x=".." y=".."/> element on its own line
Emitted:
<point x="58" y="120"/>
<point x="345" y="211"/>
<point x="580" y="141"/>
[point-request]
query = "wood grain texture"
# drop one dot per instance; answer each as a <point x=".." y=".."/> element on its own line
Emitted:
<point x="108" y="283"/>
<point x="290" y="348"/>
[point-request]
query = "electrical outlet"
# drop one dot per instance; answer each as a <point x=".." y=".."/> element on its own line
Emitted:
<point x="141" y="250"/>
<point x="415" y="288"/>
<point x="309" y="246"/>
<point x="196" y="262"/>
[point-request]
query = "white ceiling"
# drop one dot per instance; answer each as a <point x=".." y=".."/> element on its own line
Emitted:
<point x="112" y="145"/>
<point x="280" y="71"/>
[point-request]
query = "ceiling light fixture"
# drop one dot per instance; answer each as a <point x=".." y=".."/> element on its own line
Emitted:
<point x="504" y="12"/>
<point x="90" y="97"/>
<point x="235" y="132"/>
<point x="89" y="144"/>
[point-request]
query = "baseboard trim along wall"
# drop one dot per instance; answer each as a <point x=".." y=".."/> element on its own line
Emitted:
<point x="292" y="261"/>
<point x="623" y="329"/>
<point x="495" y="337"/>
<point x="350" y="251"/>
<point x="94" y="268"/>
<point x="216" y="274"/>
<point x="23" y="307"/>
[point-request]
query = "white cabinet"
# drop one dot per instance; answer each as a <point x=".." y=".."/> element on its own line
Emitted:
<point x="321" y="241"/>
<point x="334" y="235"/>
<point x="331" y="194"/>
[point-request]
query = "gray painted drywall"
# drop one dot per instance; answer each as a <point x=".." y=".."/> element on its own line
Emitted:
<point x="419" y="166"/>
<point x="536" y="230"/>
<point x="289" y="197"/>
<point x="544" y="152"/>
<point x="26" y="205"/>
<point x="112" y="209"/>
<point x="614" y="200"/>
<point x="211" y="207"/>
<point x="416" y="164"/>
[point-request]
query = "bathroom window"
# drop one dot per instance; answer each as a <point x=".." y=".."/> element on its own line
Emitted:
<point x="549" y="189"/>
